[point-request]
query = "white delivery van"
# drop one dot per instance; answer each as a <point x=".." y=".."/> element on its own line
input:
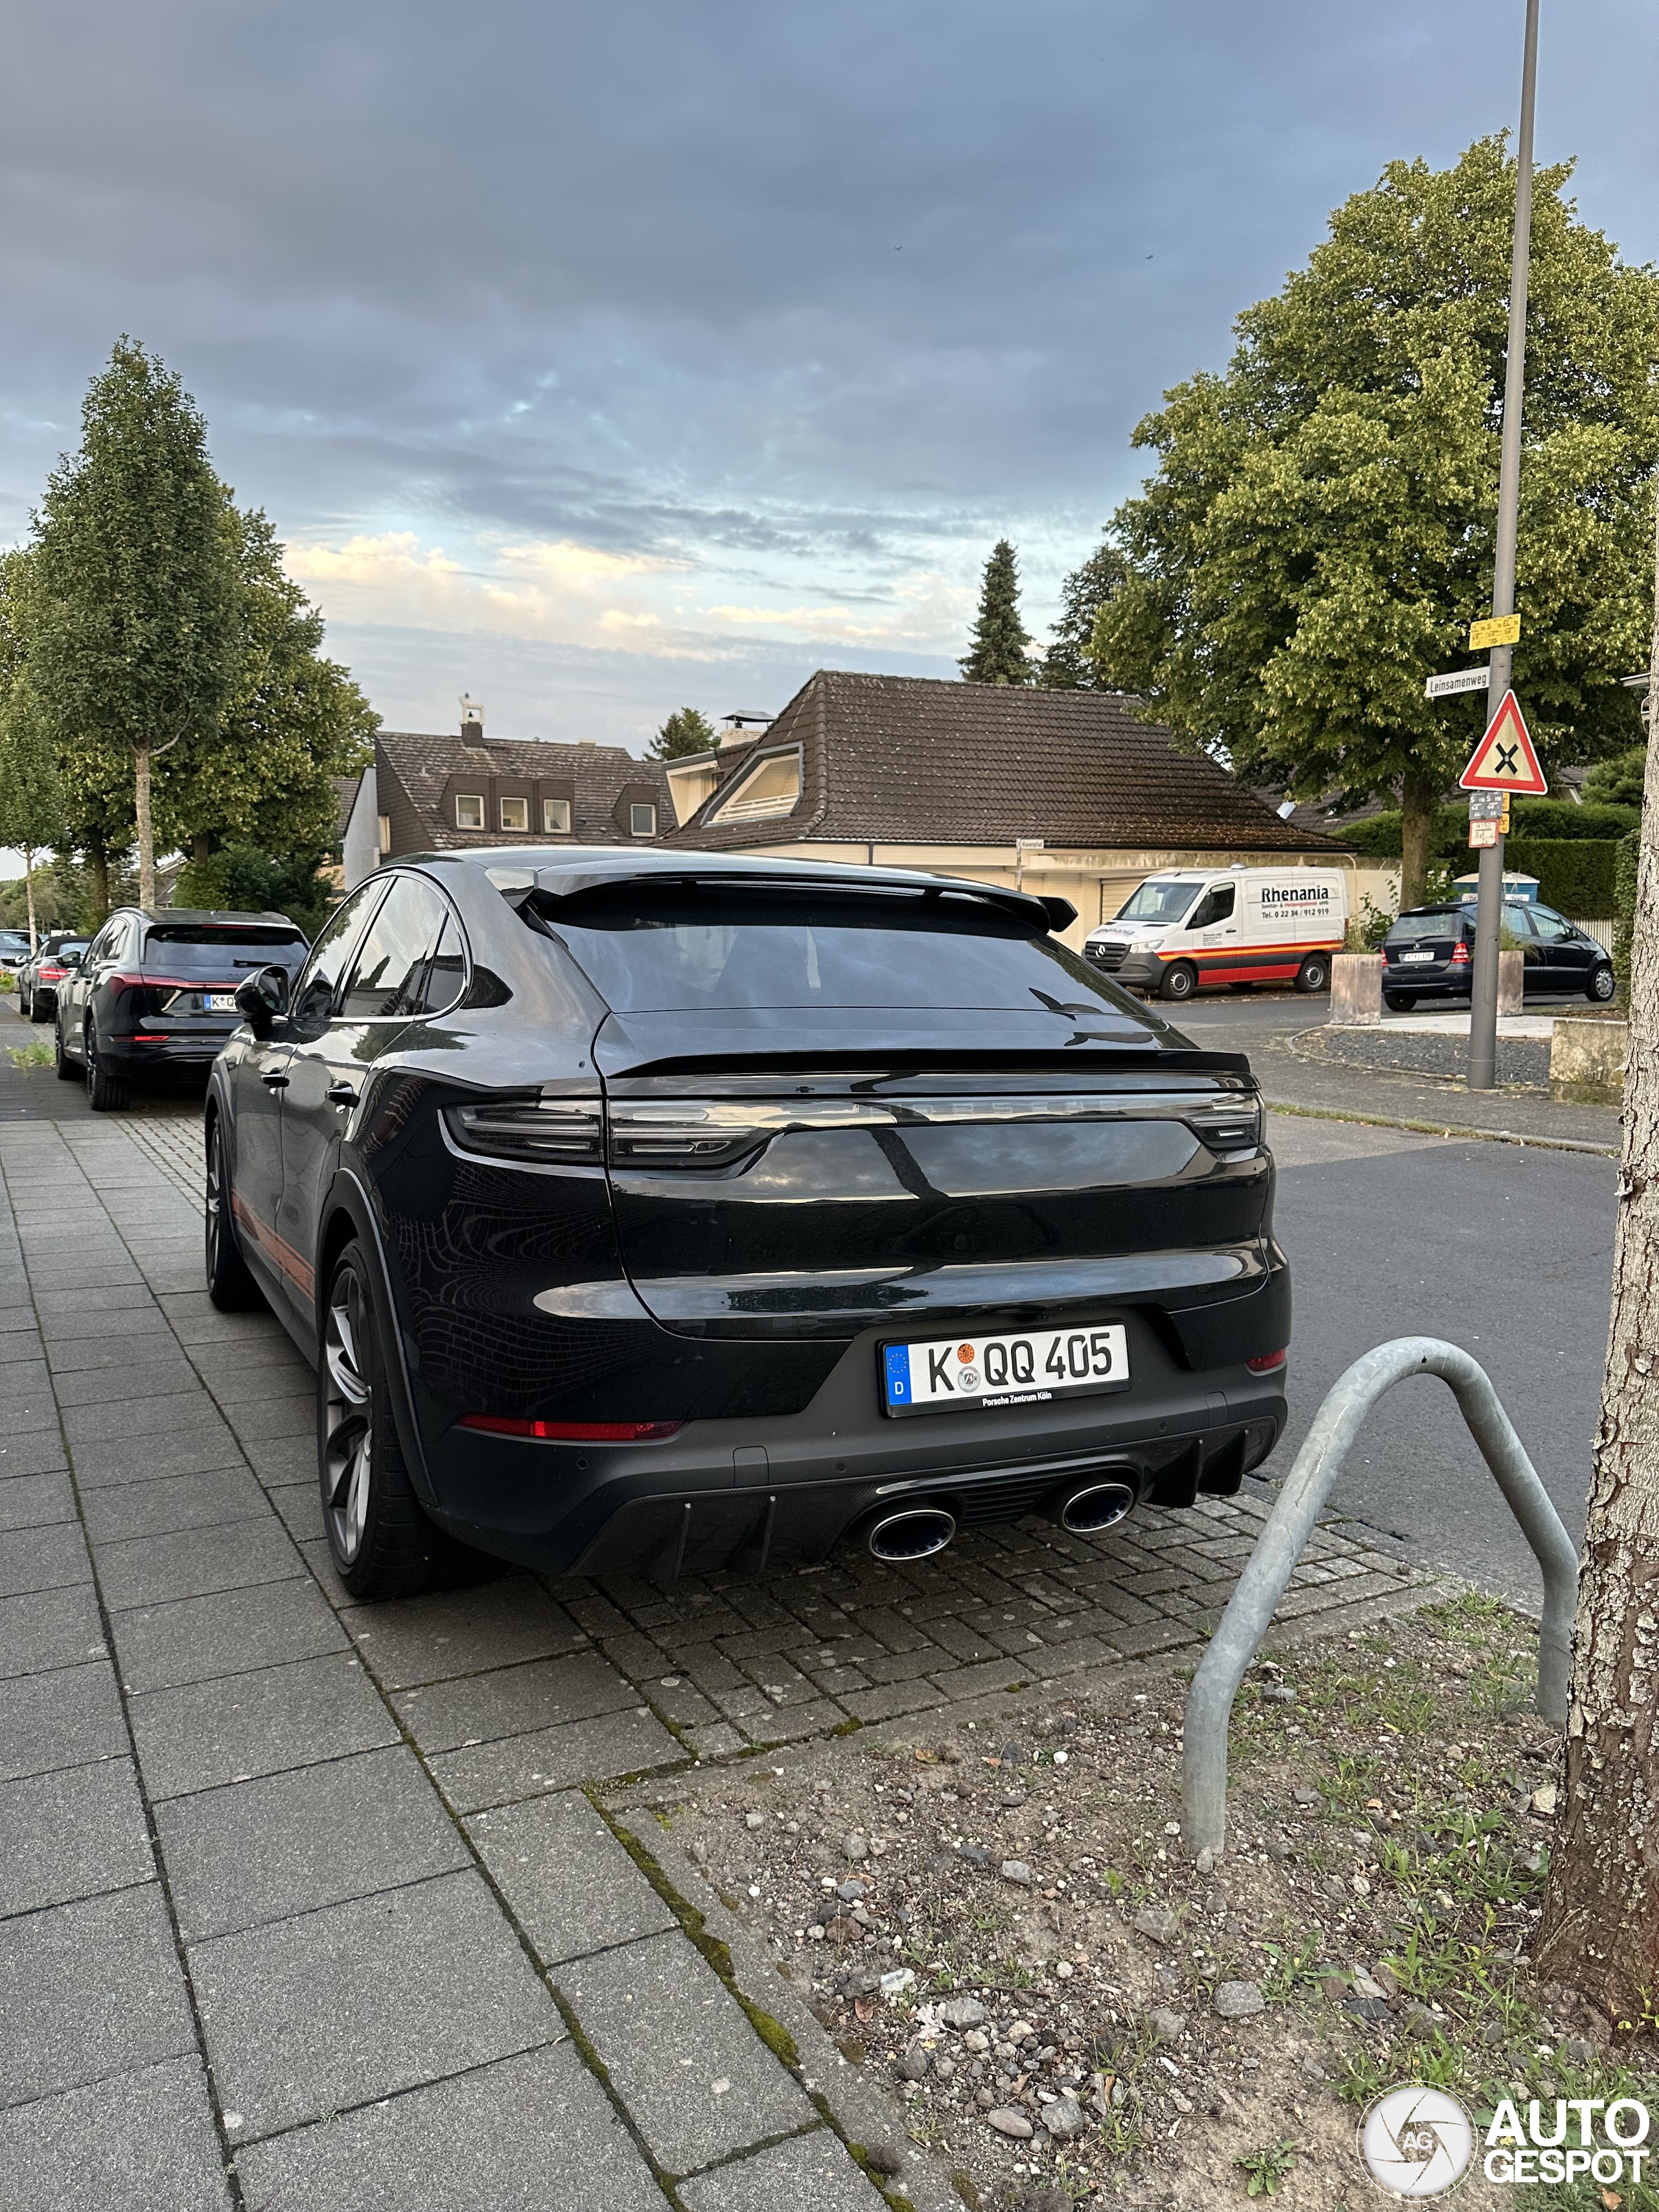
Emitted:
<point x="1195" y="928"/>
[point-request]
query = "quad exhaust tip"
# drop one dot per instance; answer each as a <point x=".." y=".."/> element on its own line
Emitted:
<point x="1101" y="1506"/>
<point x="915" y="1534"/>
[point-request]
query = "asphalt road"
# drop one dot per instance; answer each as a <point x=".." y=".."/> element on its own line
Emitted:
<point x="1505" y="1251"/>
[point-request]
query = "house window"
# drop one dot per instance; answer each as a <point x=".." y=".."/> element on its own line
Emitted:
<point x="771" y="787"/>
<point x="555" y="818"/>
<point x="469" y="810"/>
<point x="515" y="814"/>
<point x="385" y="827"/>
<point x="642" y="820"/>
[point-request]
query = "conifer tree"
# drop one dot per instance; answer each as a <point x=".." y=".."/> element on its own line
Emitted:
<point x="997" y="654"/>
<point x="685" y="731"/>
<point x="1069" y="663"/>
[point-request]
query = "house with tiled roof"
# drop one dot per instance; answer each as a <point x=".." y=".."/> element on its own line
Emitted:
<point x="437" y="795"/>
<point x="1071" y="792"/>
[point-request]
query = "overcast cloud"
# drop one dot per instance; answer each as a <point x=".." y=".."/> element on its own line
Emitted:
<point x="602" y="358"/>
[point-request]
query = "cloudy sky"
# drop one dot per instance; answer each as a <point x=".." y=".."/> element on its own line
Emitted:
<point x="606" y="355"/>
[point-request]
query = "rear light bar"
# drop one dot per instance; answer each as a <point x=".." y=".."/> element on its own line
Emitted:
<point x="571" y="1433"/>
<point x="1267" y="1362"/>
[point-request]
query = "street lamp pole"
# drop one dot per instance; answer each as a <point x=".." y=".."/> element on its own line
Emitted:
<point x="1489" y="911"/>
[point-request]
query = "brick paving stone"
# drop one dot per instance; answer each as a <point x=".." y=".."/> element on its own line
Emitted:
<point x="194" y="1638"/>
<point x="66" y="1718"/>
<point x="71" y="1833"/>
<point x="512" y="1701"/>
<point x="202" y="1733"/>
<point x="141" y="1571"/>
<point x="50" y="1556"/>
<point x="176" y="1504"/>
<point x="570" y="1884"/>
<point x="314" y="1836"/>
<point x="144" y="2141"/>
<point x="809" y="2171"/>
<point x="48" y="1628"/>
<point x="525" y="1765"/>
<point x="92" y="1988"/>
<point x="536" y="2131"/>
<point x="890" y="1699"/>
<point x="311" y="2015"/>
<point x="460" y="1632"/>
<point x="681" y="2053"/>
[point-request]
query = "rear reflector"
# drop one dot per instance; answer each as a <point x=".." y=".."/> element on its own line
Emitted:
<point x="1266" y="1363"/>
<point x="571" y="1433"/>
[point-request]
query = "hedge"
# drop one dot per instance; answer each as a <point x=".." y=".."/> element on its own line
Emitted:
<point x="1575" y="875"/>
<point x="1533" y="818"/>
<point x="1624" y="904"/>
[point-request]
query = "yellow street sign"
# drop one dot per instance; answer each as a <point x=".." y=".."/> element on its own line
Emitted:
<point x="1496" y="629"/>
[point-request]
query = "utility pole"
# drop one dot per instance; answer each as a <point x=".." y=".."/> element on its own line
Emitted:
<point x="1489" y="911"/>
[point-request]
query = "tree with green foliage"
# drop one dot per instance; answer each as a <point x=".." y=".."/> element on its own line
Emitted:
<point x="1069" y="663"/>
<point x="136" y="595"/>
<point x="685" y="731"/>
<point x="31" y="800"/>
<point x="1319" y="531"/>
<point x="297" y="720"/>
<point x="1618" y="782"/>
<point x="998" y="653"/>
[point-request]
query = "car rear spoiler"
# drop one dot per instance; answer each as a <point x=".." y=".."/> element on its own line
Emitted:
<point x="544" y="888"/>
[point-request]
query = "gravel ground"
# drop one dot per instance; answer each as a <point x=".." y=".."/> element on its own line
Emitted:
<point x="1522" y="1061"/>
<point x="1008" y="1937"/>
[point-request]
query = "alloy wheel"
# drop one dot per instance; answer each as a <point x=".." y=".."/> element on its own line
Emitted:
<point x="348" y="1417"/>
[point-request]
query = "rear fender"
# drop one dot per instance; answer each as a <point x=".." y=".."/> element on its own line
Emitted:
<point x="348" y="1202"/>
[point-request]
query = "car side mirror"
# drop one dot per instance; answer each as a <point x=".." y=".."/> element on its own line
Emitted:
<point x="1061" y="912"/>
<point x="262" y="998"/>
<point x="70" y="959"/>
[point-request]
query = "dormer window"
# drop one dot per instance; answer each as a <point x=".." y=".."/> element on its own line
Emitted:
<point x="555" y="818"/>
<point x="469" y="810"/>
<point x="770" y="786"/>
<point x="642" y="820"/>
<point x="515" y="814"/>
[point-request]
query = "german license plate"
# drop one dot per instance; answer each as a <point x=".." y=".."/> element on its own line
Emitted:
<point x="1407" y="959"/>
<point x="220" y="1002"/>
<point x="981" y="1372"/>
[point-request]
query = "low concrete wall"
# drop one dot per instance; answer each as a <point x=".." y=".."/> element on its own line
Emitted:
<point x="1356" y="990"/>
<point x="1510" y="983"/>
<point x="1588" y="1052"/>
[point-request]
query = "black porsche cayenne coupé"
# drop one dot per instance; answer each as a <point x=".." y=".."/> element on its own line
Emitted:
<point x="653" y="1212"/>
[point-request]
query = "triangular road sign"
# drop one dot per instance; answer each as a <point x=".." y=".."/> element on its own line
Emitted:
<point x="1504" y="759"/>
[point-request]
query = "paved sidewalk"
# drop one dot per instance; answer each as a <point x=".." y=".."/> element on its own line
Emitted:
<point x="305" y="1908"/>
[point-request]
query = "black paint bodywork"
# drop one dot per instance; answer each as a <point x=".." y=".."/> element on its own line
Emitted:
<point x="924" y="1170"/>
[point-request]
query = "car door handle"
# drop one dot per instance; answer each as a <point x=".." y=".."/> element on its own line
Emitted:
<point x="341" y="1094"/>
<point x="275" y="1082"/>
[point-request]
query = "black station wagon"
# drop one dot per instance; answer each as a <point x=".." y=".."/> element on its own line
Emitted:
<point x="653" y="1212"/>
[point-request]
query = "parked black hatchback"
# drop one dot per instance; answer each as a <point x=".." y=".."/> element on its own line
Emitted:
<point x="652" y="1212"/>
<point x="154" y="995"/>
<point x="1429" y="953"/>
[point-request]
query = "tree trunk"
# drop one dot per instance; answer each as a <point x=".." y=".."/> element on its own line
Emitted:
<point x="98" y="860"/>
<point x="1417" y="797"/>
<point x="28" y="893"/>
<point x="1599" y="1933"/>
<point x="146" y="833"/>
<point x="201" y="848"/>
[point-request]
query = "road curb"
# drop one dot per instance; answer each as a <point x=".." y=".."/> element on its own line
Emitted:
<point x="1441" y="1128"/>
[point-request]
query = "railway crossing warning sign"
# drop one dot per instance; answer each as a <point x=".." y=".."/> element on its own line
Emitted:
<point x="1504" y="759"/>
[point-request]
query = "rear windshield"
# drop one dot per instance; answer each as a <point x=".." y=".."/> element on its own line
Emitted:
<point x="681" y="949"/>
<point x="1424" y="929"/>
<point x="1160" y="901"/>
<point x="198" y="948"/>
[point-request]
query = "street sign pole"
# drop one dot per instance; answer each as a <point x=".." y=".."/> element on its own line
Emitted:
<point x="1489" y="912"/>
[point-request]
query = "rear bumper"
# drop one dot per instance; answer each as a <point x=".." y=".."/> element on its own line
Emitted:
<point x="192" y="1054"/>
<point x="747" y="1493"/>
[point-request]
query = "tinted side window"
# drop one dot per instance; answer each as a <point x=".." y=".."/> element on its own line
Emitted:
<point x="313" y="994"/>
<point x="1216" y="905"/>
<point x="389" y="975"/>
<point x="446" y="974"/>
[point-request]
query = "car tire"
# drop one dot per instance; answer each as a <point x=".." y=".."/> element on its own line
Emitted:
<point x="105" y="1093"/>
<point x="62" y="1066"/>
<point x="381" y="1543"/>
<point x="1400" y="1002"/>
<point x="1315" y="972"/>
<point x="1601" y="985"/>
<point x="230" y="1283"/>
<point x="1179" y="980"/>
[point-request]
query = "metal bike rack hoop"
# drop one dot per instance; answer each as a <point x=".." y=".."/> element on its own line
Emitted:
<point x="1244" y="1625"/>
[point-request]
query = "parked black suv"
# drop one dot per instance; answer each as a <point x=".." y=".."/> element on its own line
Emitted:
<point x="154" y="995"/>
<point x="649" y="1212"/>
<point x="1429" y="953"/>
